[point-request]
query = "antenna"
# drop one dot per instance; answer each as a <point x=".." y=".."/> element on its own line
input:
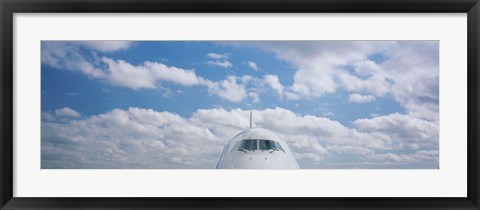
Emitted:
<point x="251" y="119"/>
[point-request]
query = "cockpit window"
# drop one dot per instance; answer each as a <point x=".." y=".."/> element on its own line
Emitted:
<point x="258" y="144"/>
<point x="248" y="145"/>
<point x="268" y="145"/>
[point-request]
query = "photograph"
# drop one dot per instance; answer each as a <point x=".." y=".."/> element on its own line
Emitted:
<point x="240" y="104"/>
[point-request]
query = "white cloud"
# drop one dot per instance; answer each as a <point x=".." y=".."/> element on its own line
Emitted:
<point x="148" y="75"/>
<point x="218" y="56"/>
<point x="133" y="138"/>
<point x="361" y="151"/>
<point x="414" y="68"/>
<point x="408" y="70"/>
<point x="413" y="132"/>
<point x="230" y="89"/>
<point x="236" y="88"/>
<point x="419" y="156"/>
<point x="221" y="63"/>
<point x="63" y="55"/>
<point x="375" y="85"/>
<point x="106" y="46"/>
<point x="318" y="63"/>
<point x="273" y="82"/>
<point x="67" y="112"/>
<point x="253" y="65"/>
<point x="357" y="98"/>
<point x="144" y="138"/>
<point x="219" y="60"/>
<point x="254" y="96"/>
<point x="116" y="72"/>
<point x="366" y="67"/>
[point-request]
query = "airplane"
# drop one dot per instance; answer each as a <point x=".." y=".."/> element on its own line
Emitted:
<point x="256" y="148"/>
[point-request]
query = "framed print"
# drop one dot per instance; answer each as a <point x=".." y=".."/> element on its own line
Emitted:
<point x="239" y="105"/>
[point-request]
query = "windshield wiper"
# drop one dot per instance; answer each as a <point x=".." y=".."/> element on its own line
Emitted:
<point x="274" y="149"/>
<point x="243" y="150"/>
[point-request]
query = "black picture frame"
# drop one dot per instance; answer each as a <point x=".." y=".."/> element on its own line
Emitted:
<point x="9" y="7"/>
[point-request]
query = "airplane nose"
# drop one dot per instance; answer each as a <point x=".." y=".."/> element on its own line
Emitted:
<point x="260" y="162"/>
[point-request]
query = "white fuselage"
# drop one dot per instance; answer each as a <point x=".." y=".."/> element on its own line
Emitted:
<point x="256" y="148"/>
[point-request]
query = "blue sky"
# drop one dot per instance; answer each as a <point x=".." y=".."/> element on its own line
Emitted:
<point x="174" y="104"/>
